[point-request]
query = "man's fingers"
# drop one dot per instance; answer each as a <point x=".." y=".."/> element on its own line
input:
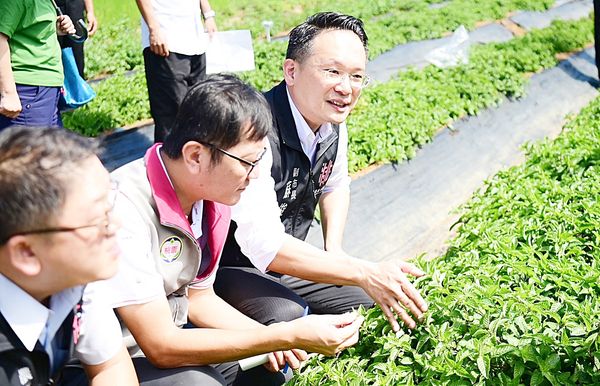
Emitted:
<point x="92" y="26"/>
<point x="346" y="331"/>
<point x="345" y="319"/>
<point x="292" y="360"/>
<point x="300" y="354"/>
<point x="411" y="269"/>
<point x="349" y="334"/>
<point x="272" y="364"/>
<point x="414" y="297"/>
<point x="389" y="315"/>
<point x="406" y="303"/>
<point x="352" y="340"/>
<point x="280" y="358"/>
<point x="402" y="314"/>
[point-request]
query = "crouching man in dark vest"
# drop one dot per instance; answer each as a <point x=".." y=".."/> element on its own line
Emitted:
<point x="324" y="73"/>
<point x="56" y="235"/>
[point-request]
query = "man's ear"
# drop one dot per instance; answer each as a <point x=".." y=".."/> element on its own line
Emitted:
<point x="21" y="256"/>
<point x="289" y="71"/>
<point x="195" y="155"/>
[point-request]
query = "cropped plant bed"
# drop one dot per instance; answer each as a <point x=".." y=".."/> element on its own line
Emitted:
<point x="516" y="298"/>
<point x="117" y="45"/>
<point x="393" y="119"/>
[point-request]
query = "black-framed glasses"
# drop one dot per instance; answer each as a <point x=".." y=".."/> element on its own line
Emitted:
<point x="252" y="164"/>
<point x="105" y="224"/>
<point x="335" y="76"/>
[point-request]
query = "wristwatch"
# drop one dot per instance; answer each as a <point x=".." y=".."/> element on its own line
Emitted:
<point x="209" y="14"/>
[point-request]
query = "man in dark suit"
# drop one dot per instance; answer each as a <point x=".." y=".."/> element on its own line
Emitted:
<point x="324" y="73"/>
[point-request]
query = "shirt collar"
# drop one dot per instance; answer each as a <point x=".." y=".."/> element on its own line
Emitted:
<point x="167" y="203"/>
<point x="29" y="319"/>
<point x="307" y="137"/>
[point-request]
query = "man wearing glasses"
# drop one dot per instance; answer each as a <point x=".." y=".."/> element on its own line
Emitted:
<point x="176" y="205"/>
<point x="56" y="235"/>
<point x="324" y="73"/>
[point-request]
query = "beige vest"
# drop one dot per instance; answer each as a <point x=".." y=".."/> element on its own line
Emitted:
<point x="177" y="254"/>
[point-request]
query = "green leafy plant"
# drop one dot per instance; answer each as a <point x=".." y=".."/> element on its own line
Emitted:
<point x="516" y="298"/>
<point x="387" y="22"/>
<point x="391" y="120"/>
<point x="120" y="100"/>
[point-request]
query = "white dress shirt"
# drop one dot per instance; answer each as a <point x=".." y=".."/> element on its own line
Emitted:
<point x="260" y="232"/>
<point x="339" y="177"/>
<point x="180" y="24"/>
<point x="100" y="335"/>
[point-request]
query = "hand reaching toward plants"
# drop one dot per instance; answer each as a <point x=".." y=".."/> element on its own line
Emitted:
<point x="387" y="283"/>
<point x="326" y="334"/>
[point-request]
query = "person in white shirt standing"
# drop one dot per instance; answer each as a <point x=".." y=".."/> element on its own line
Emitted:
<point x="324" y="73"/>
<point x="174" y="42"/>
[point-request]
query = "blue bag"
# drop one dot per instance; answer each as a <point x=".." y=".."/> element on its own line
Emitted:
<point x="75" y="92"/>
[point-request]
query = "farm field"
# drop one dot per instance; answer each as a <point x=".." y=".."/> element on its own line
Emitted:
<point x="392" y="119"/>
<point x="515" y="300"/>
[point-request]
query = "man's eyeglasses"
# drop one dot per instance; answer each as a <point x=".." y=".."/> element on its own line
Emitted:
<point x="104" y="225"/>
<point x="335" y="76"/>
<point x="252" y="164"/>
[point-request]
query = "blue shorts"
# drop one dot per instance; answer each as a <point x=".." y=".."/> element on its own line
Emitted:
<point x="40" y="107"/>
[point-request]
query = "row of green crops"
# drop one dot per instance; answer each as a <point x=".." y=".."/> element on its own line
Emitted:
<point x="391" y="119"/>
<point x="388" y="23"/>
<point x="516" y="299"/>
<point x="394" y="118"/>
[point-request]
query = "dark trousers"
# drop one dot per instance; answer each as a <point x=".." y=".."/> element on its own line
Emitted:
<point x="169" y="79"/>
<point x="272" y="298"/>
<point x="40" y="107"/>
<point x="75" y="10"/>
<point x="224" y="374"/>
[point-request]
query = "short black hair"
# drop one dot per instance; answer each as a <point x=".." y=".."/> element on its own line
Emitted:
<point x="35" y="164"/>
<point x="302" y="36"/>
<point x="216" y="111"/>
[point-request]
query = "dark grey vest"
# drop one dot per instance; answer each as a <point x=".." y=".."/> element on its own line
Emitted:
<point x="18" y="365"/>
<point x="298" y="186"/>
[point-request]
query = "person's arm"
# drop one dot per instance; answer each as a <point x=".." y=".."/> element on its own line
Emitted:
<point x="158" y="44"/>
<point x="210" y="25"/>
<point x="224" y="316"/>
<point x="167" y="346"/>
<point x="118" y="368"/>
<point x="100" y="345"/>
<point x="10" y="104"/>
<point x="92" y="22"/>
<point x="335" y="200"/>
<point x="386" y="282"/>
<point x="334" y="210"/>
<point x="261" y="237"/>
